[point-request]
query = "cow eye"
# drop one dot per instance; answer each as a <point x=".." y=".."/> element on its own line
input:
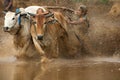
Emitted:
<point x="13" y="18"/>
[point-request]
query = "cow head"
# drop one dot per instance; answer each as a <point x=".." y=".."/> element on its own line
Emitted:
<point x="40" y="20"/>
<point x="12" y="21"/>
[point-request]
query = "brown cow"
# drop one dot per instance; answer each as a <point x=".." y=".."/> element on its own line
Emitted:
<point x="49" y="33"/>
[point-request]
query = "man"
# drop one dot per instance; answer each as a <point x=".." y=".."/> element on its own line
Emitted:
<point x="8" y="4"/>
<point x="82" y="16"/>
<point x="81" y="24"/>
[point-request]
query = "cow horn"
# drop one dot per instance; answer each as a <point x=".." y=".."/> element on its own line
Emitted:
<point x="4" y="12"/>
<point x="31" y="14"/>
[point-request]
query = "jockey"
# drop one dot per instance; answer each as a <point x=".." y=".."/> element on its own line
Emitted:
<point x="82" y="15"/>
<point x="41" y="11"/>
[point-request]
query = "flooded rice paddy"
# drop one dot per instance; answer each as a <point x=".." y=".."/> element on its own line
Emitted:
<point x="61" y="69"/>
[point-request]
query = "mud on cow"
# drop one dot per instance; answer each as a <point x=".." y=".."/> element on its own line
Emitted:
<point x="18" y="25"/>
<point x="54" y="38"/>
<point x="49" y="33"/>
<point x="46" y="31"/>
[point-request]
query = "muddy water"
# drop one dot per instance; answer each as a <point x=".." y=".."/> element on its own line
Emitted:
<point x="60" y="69"/>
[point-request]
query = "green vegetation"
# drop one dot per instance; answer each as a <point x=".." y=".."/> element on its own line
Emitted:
<point x="79" y="0"/>
<point x="104" y="1"/>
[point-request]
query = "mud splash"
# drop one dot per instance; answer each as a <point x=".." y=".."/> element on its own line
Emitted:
<point x="61" y="69"/>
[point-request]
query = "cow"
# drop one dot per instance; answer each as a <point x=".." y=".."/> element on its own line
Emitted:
<point x="49" y="32"/>
<point x="18" y="25"/>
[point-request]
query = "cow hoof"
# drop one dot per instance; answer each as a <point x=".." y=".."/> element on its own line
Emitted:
<point x="17" y="56"/>
<point x="44" y="60"/>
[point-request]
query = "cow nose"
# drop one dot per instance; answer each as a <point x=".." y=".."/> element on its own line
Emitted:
<point x="40" y="37"/>
<point x="5" y="28"/>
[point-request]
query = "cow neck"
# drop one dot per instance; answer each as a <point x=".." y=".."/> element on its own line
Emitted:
<point x="19" y="24"/>
<point x="34" y="23"/>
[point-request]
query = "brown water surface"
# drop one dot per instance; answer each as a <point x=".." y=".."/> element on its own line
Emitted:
<point x="61" y="69"/>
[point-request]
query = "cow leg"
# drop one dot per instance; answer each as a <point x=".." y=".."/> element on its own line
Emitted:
<point x="23" y="50"/>
<point x="44" y="59"/>
<point x="38" y="47"/>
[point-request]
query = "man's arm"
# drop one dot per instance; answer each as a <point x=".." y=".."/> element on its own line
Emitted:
<point x="77" y="22"/>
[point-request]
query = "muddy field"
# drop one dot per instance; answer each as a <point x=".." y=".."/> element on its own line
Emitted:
<point x="62" y="69"/>
<point x="102" y="43"/>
